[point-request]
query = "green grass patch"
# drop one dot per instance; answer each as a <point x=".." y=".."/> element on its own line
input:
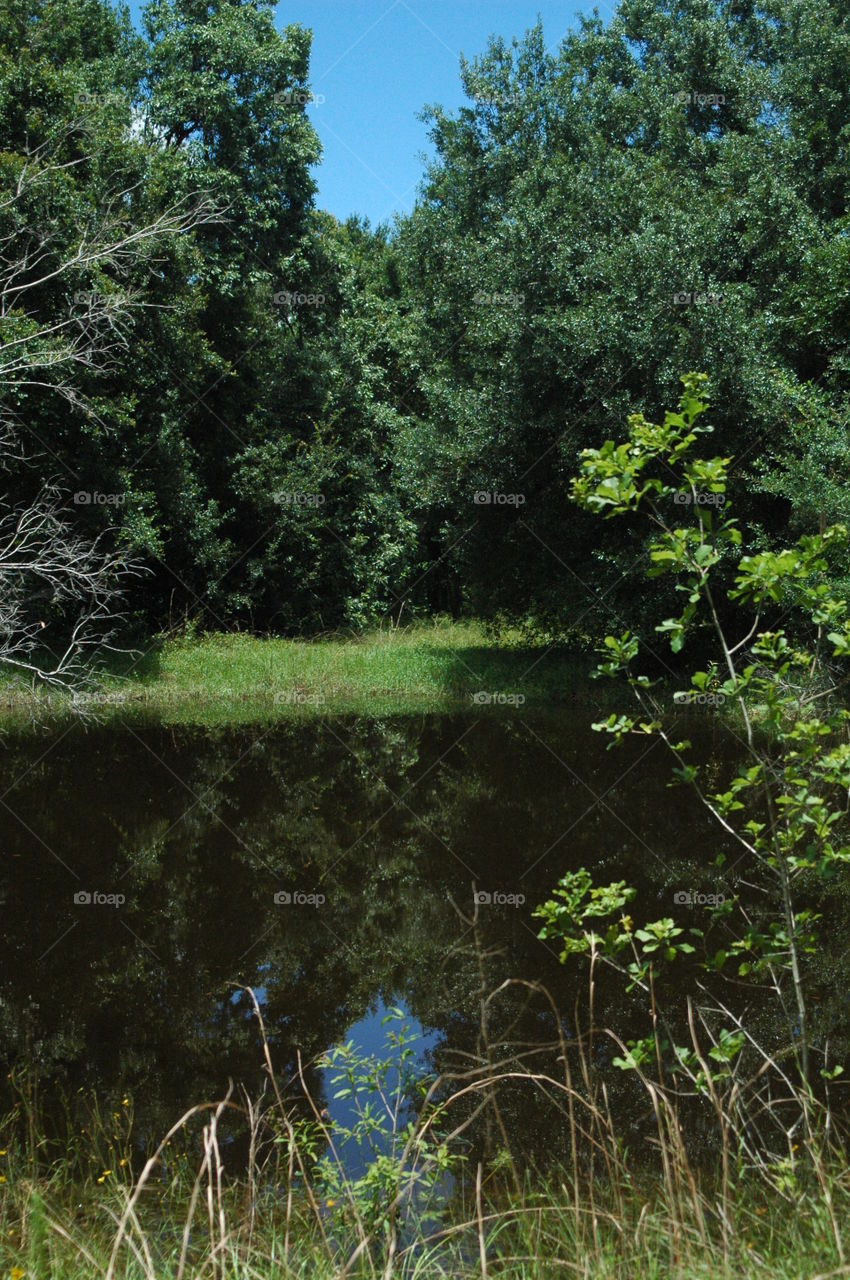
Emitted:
<point x="58" y="1224"/>
<point x="232" y="678"/>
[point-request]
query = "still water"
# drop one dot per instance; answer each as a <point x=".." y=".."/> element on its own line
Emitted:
<point x="151" y="874"/>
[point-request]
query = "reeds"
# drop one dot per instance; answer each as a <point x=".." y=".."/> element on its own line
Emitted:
<point x="424" y="1201"/>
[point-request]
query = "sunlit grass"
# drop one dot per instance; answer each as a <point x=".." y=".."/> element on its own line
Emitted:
<point x="429" y="667"/>
<point x="54" y="1226"/>
<point x="96" y="1202"/>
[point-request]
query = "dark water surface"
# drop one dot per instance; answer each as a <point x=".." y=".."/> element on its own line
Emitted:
<point x="378" y="830"/>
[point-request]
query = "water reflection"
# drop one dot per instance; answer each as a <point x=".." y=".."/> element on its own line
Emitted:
<point x="149" y="874"/>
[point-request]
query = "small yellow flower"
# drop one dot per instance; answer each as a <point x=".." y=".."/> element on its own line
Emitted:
<point x="17" y="1273"/>
<point x="121" y="1163"/>
<point x="104" y="1175"/>
<point x="3" y="1152"/>
<point x="125" y="1102"/>
<point x="2" y="1177"/>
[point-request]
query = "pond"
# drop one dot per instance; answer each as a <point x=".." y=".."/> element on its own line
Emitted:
<point x="337" y="867"/>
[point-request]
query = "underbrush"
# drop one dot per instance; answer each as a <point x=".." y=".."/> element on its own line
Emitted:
<point x="393" y="1190"/>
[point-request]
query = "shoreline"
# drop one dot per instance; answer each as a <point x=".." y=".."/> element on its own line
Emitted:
<point x="240" y="678"/>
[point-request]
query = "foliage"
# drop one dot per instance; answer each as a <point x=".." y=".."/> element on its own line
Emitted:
<point x="383" y="1168"/>
<point x="786" y="805"/>
<point x="94" y="1213"/>
<point x="640" y="200"/>
<point x="304" y="412"/>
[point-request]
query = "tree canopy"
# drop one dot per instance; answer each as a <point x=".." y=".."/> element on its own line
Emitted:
<point x="288" y="423"/>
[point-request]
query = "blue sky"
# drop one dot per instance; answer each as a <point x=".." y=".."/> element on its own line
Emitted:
<point x="376" y="63"/>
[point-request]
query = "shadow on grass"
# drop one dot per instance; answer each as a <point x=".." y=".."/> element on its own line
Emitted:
<point x="492" y="675"/>
<point x="228" y="678"/>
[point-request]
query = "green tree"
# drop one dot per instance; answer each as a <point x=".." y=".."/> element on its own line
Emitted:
<point x="785" y="805"/>
<point x="640" y="201"/>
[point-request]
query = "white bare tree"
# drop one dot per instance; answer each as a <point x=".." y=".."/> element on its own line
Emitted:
<point x="92" y="328"/>
<point x="54" y="580"/>
<point x="46" y="568"/>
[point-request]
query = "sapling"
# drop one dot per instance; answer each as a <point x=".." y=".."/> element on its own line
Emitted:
<point x="786" y="806"/>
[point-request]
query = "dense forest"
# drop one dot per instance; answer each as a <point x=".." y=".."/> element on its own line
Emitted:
<point x="254" y="818"/>
<point x="221" y="405"/>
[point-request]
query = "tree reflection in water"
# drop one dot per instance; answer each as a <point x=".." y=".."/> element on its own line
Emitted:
<point x="377" y="829"/>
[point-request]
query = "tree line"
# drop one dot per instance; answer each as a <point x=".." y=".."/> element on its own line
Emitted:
<point x="221" y="404"/>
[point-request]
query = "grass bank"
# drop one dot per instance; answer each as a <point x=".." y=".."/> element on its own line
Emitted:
<point x="397" y="1186"/>
<point x="54" y="1232"/>
<point x="101" y="1212"/>
<point x="232" y="677"/>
